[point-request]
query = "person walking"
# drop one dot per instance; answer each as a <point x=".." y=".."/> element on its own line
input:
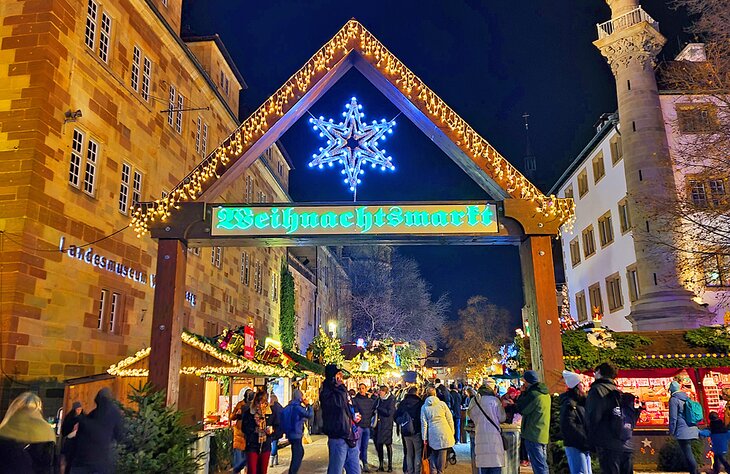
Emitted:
<point x="534" y="405"/>
<point x="95" y="435"/>
<point x="26" y="438"/>
<point x="678" y="427"/>
<point x="292" y="422"/>
<point x="408" y="418"/>
<point x="719" y="436"/>
<point x="572" y="425"/>
<point x="339" y="421"/>
<point x="456" y="401"/>
<point x="384" y="429"/>
<point x="259" y="426"/>
<point x="245" y="397"/>
<point x="69" y="428"/>
<point x="437" y="430"/>
<point x="487" y="413"/>
<point x="364" y="404"/>
<point x="603" y="405"/>
<point x="276" y="409"/>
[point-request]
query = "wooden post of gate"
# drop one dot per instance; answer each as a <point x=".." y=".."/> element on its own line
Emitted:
<point x="538" y="279"/>
<point x="164" y="360"/>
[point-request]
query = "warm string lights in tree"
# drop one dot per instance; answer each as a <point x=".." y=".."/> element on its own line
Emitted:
<point x="352" y="37"/>
<point x="567" y="323"/>
<point x="352" y="144"/>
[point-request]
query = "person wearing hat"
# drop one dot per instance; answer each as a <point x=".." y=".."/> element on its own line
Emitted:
<point x="678" y="427"/>
<point x="534" y="405"/>
<point x="572" y="424"/>
<point x="339" y="420"/>
<point x="69" y="427"/>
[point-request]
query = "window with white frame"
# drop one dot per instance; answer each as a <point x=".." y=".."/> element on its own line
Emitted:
<point x="198" y="134"/>
<point x="136" y="187"/>
<point x="103" y="299"/>
<point x="171" y="106"/>
<point x="179" y="114"/>
<point x="249" y="189"/>
<point x="274" y="286"/>
<point x="146" y="78"/>
<point x="105" y="37"/>
<point x="245" y="268"/>
<point x="130" y="178"/>
<point x="98" y="41"/>
<point x="84" y="156"/>
<point x="228" y="303"/>
<point x="613" y="291"/>
<point x="114" y="308"/>
<point x="258" y="278"/>
<point x="109" y="311"/>
<point x="204" y="140"/>
<point x="216" y="256"/>
<point x="136" y="68"/>
<point x="91" y="16"/>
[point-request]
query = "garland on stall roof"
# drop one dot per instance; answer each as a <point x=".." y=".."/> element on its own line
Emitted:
<point x="715" y="338"/>
<point x="582" y="354"/>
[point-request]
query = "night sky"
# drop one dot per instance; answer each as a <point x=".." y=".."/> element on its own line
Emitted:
<point x="491" y="61"/>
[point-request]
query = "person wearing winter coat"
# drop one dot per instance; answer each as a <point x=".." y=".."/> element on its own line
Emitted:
<point x="365" y="405"/>
<point x="276" y="409"/>
<point x="437" y="430"/>
<point x="69" y="428"/>
<point x="384" y="430"/>
<point x="293" y="417"/>
<point x="534" y="405"/>
<point x="339" y="423"/>
<point x="614" y="453"/>
<point x="412" y="443"/>
<point x="572" y="425"/>
<point x="96" y="433"/>
<point x="487" y="413"/>
<point x="26" y="438"/>
<point x="678" y="427"/>
<point x="245" y="396"/>
<point x="719" y="436"/>
<point x="456" y="401"/>
<point x="259" y="426"/>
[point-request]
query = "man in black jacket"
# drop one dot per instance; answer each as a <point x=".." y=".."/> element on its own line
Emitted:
<point x="365" y="405"/>
<point x="412" y="442"/>
<point x="456" y="411"/>
<point x="572" y="424"/>
<point x="339" y="419"/>
<point x="603" y="416"/>
<point x="96" y="433"/>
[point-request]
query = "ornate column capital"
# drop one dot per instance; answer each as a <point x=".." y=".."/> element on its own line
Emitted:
<point x="638" y="44"/>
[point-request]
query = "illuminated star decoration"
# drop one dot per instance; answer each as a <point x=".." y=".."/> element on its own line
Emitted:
<point x="353" y="144"/>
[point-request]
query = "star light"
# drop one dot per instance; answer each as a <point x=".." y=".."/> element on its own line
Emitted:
<point x="352" y="143"/>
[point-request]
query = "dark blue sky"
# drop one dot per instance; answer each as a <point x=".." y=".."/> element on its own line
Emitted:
<point x="491" y="61"/>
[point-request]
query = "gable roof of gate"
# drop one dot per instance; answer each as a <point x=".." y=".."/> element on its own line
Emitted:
<point x="353" y="45"/>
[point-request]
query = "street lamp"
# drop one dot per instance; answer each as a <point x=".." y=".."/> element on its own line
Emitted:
<point x="332" y="326"/>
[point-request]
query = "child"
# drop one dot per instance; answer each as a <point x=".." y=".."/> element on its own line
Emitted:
<point x="719" y="436"/>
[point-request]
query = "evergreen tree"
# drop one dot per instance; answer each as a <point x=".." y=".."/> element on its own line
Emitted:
<point x="287" y="316"/>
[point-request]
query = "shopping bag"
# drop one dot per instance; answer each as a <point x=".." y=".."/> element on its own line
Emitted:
<point x="306" y="437"/>
<point x="425" y="464"/>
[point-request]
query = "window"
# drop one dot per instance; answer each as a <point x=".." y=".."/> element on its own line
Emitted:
<point x="589" y="242"/>
<point x="146" y="78"/>
<point x="599" y="168"/>
<point x="594" y="295"/>
<point x="136" y="188"/>
<point x="136" y="63"/>
<point x="204" y="146"/>
<point x="245" y="270"/>
<point x="90" y="35"/>
<point x="224" y="82"/>
<point x="104" y="38"/>
<point x="697" y="118"/>
<point x="171" y="106"/>
<point x="716" y="188"/>
<point x="623" y="216"/>
<point x="605" y="229"/>
<point x="124" y="188"/>
<point x="617" y="151"/>
<point x="228" y="302"/>
<point x="198" y="135"/>
<point x="274" y="286"/>
<point x="280" y="168"/>
<point x="194" y="250"/>
<point x="249" y="189"/>
<point x="633" y="279"/>
<point x="697" y="193"/>
<point x="110" y="309"/>
<point x="262" y="197"/>
<point x="580" y="305"/>
<point x="88" y="185"/>
<point x="179" y="117"/>
<point x="569" y="192"/>
<point x="717" y="271"/>
<point x="706" y="193"/>
<point x="258" y="283"/>
<point x="575" y="251"/>
<point x="582" y="183"/>
<point x="216" y="256"/>
<point x="613" y="290"/>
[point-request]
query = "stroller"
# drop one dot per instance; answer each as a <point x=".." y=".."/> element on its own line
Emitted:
<point x="451" y="456"/>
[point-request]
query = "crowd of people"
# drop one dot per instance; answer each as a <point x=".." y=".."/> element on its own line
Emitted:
<point x="503" y="427"/>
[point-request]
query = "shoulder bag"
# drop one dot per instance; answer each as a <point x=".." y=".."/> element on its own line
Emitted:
<point x="499" y="429"/>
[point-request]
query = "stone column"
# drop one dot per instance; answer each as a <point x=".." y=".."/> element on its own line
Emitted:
<point x="630" y="43"/>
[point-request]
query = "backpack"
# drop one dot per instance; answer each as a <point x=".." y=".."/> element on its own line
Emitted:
<point x="624" y="415"/>
<point x="692" y="412"/>
<point x="405" y="422"/>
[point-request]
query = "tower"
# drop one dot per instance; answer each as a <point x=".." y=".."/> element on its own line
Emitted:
<point x="630" y="41"/>
<point x="530" y="164"/>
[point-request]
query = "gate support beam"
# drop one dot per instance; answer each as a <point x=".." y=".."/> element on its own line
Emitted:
<point x="538" y="280"/>
<point x="164" y="359"/>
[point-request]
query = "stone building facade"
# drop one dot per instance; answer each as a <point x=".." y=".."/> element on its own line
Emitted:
<point x="102" y="105"/>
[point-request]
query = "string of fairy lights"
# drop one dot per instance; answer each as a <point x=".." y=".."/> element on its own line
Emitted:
<point x="351" y="36"/>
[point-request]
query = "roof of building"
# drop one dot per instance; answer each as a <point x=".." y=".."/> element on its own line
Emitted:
<point x="608" y="125"/>
<point x="222" y="48"/>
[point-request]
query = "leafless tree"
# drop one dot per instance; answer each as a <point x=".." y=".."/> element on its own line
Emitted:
<point x="474" y="338"/>
<point x="390" y="299"/>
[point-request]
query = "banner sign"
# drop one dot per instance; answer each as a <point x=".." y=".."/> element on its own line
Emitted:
<point x="248" y="342"/>
<point x="411" y="219"/>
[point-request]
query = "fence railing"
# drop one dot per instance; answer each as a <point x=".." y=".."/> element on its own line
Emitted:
<point x="624" y="21"/>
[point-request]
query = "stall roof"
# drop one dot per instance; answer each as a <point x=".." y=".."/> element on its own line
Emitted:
<point x="305" y="364"/>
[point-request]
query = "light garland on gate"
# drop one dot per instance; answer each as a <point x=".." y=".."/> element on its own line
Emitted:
<point x="351" y="36"/>
<point x="122" y="365"/>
